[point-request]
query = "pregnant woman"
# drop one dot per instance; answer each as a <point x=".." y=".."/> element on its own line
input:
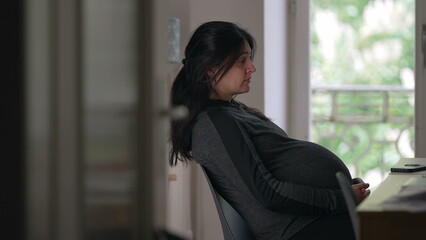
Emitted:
<point x="283" y="187"/>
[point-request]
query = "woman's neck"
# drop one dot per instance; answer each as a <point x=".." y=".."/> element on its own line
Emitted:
<point x="214" y="96"/>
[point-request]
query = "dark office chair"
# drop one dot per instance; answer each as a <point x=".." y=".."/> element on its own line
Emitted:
<point x="234" y="226"/>
<point x="350" y="199"/>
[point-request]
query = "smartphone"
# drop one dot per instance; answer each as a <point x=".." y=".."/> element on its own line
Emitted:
<point x="409" y="168"/>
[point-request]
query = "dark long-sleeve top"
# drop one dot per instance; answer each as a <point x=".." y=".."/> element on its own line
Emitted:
<point x="278" y="184"/>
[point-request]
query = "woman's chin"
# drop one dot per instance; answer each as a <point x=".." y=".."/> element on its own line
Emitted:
<point x="245" y="90"/>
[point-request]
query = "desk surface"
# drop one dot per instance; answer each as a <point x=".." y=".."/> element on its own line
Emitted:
<point x="389" y="187"/>
<point x="379" y="223"/>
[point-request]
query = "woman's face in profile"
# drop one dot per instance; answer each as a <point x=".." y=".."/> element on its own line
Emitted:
<point x="237" y="79"/>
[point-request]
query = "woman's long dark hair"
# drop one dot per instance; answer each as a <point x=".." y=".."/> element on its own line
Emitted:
<point x="213" y="45"/>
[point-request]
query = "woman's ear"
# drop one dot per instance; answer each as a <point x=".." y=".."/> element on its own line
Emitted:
<point x="212" y="72"/>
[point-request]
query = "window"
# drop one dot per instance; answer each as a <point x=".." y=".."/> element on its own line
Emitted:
<point x="362" y="81"/>
<point x="388" y="84"/>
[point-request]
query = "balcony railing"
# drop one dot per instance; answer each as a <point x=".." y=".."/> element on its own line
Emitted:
<point x="369" y="127"/>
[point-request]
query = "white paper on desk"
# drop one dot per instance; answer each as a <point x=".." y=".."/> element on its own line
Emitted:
<point x="411" y="197"/>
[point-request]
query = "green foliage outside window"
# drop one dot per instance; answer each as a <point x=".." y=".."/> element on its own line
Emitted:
<point x="367" y="43"/>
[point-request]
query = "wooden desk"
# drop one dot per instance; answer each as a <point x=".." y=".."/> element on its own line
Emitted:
<point x="377" y="223"/>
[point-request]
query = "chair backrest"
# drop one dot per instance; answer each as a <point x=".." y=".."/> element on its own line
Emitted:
<point x="350" y="199"/>
<point x="234" y="226"/>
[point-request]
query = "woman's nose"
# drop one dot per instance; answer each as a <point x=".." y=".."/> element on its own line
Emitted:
<point x="251" y="67"/>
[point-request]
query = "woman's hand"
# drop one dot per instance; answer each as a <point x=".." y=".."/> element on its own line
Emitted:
<point x="360" y="189"/>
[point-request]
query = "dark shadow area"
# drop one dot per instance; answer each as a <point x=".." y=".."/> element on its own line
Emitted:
<point x="12" y="121"/>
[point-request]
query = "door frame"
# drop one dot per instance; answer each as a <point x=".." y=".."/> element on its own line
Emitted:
<point x="420" y="78"/>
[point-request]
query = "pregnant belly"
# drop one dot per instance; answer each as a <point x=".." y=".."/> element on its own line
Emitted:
<point x="307" y="163"/>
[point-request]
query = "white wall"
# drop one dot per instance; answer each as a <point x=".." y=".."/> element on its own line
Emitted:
<point x="287" y="85"/>
<point x="276" y="70"/>
<point x="178" y="204"/>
